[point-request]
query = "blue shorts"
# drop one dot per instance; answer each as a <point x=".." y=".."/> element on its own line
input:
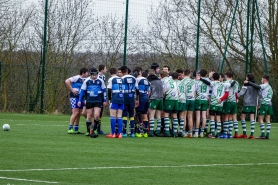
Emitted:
<point x="116" y="106"/>
<point x="129" y="110"/>
<point x="74" y="102"/>
<point x="143" y="107"/>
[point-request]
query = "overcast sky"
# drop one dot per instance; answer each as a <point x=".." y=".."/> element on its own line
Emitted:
<point x="138" y="10"/>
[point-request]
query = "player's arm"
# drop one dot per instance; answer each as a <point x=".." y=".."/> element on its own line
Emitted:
<point x="205" y="81"/>
<point x="224" y="97"/>
<point x="68" y="83"/>
<point x="253" y="85"/>
<point x="242" y="91"/>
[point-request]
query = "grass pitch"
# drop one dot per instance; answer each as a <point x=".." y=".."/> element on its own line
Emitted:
<point x="38" y="150"/>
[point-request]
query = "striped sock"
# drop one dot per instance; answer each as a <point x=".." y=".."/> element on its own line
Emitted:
<point x="268" y="127"/>
<point x="167" y="124"/>
<point x="207" y="123"/>
<point x="262" y="129"/>
<point x="124" y="124"/>
<point x="218" y="128"/>
<point x="236" y="127"/>
<point x="181" y="125"/>
<point x="70" y="127"/>
<point x="151" y="125"/>
<point x="252" y="127"/>
<point x="231" y="125"/>
<point x="146" y="126"/>
<point x="132" y="125"/>
<point x="175" y="125"/>
<point x="212" y="127"/>
<point x="226" y="127"/>
<point x="243" y="125"/>
<point x="158" y="125"/>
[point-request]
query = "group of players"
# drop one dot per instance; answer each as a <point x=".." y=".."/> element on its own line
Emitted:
<point x="189" y="102"/>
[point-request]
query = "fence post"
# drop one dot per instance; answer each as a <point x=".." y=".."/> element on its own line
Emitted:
<point x="43" y="57"/>
<point x="125" y="39"/>
<point x="198" y="36"/>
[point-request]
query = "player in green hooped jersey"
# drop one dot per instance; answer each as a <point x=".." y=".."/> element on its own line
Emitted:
<point x="201" y="102"/>
<point x="265" y="105"/>
<point x="219" y="93"/>
<point x="230" y="108"/>
<point x="171" y="102"/>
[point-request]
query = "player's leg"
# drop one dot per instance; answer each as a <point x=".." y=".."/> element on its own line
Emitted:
<point x="167" y="122"/>
<point x="218" y="123"/>
<point x="124" y="115"/>
<point x="113" y="117"/>
<point x="234" y="118"/>
<point x="151" y="118"/>
<point x="97" y="109"/>
<point x="99" y="131"/>
<point x="252" y="125"/>
<point x="243" y="125"/>
<point x="190" y="122"/>
<point x="181" y="115"/>
<point x="198" y="119"/>
<point x="74" y="115"/>
<point x="89" y="110"/>
<point x="262" y="114"/>
<point x="131" y="108"/>
<point x="204" y="122"/>
<point x="175" y="123"/>
<point x="212" y="123"/>
<point x="120" y="120"/>
<point x="268" y="126"/>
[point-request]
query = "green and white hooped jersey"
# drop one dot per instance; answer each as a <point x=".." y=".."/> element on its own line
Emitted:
<point x="266" y="94"/>
<point x="232" y="90"/>
<point x="190" y="88"/>
<point x="218" y="90"/>
<point x="182" y="95"/>
<point x="171" y="89"/>
<point x="202" y="90"/>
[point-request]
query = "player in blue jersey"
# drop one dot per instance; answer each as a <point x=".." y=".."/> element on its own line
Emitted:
<point x="74" y="84"/>
<point x="116" y="100"/>
<point x="130" y="86"/>
<point x="142" y="109"/>
<point x="102" y="70"/>
<point x="95" y="89"/>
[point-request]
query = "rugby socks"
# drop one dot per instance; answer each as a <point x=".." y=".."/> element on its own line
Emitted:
<point x="181" y="125"/>
<point x="99" y="125"/>
<point x="124" y="124"/>
<point x="236" y="127"/>
<point x="262" y="129"/>
<point x="252" y="127"/>
<point x="268" y="127"/>
<point x="70" y="127"/>
<point x="243" y="124"/>
<point x="175" y="125"/>
<point x="231" y="125"/>
<point x="151" y="125"/>
<point x="158" y="125"/>
<point x="96" y="124"/>
<point x="120" y="125"/>
<point x="218" y="128"/>
<point x="88" y="125"/>
<point x="132" y="122"/>
<point x="226" y="127"/>
<point x="113" y="124"/>
<point x="76" y="128"/>
<point x="212" y="127"/>
<point x="146" y="125"/>
<point x="207" y="123"/>
<point x="167" y="124"/>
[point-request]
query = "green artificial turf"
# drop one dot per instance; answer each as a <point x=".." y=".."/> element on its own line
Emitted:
<point x="38" y="150"/>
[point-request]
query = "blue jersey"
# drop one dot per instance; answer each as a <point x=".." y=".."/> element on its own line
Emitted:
<point x="115" y="83"/>
<point x="102" y="77"/>
<point x="95" y="90"/>
<point x="144" y="88"/>
<point x="130" y="86"/>
<point x="76" y="83"/>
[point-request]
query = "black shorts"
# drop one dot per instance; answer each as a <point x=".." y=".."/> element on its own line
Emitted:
<point x="93" y="105"/>
<point x="215" y="113"/>
<point x="143" y="107"/>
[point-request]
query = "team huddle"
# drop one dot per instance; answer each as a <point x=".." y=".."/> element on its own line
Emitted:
<point x="180" y="104"/>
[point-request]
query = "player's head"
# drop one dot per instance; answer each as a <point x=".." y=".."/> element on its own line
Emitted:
<point x="203" y="73"/>
<point x="124" y="70"/>
<point x="187" y="73"/>
<point x="151" y="72"/>
<point x="265" y="79"/>
<point x="163" y="74"/>
<point x="119" y="73"/>
<point x="229" y="75"/>
<point x="155" y="67"/>
<point x="197" y="75"/>
<point x="145" y="74"/>
<point x="113" y="71"/>
<point x="102" y="68"/>
<point x="181" y="74"/>
<point x="175" y="75"/>
<point x="137" y="71"/>
<point x="94" y="73"/>
<point x="215" y="76"/>
<point x="83" y="72"/>
<point x="211" y="73"/>
<point x="166" y="69"/>
<point x="250" y="77"/>
<point x="221" y="77"/>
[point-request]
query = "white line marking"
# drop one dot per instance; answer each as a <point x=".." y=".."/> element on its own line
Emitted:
<point x="16" y="179"/>
<point x="136" y="167"/>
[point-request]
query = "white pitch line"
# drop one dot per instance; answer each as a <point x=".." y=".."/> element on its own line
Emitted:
<point x="16" y="179"/>
<point x="136" y="167"/>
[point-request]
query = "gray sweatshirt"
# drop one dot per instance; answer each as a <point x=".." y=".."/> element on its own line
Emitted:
<point x="250" y="94"/>
<point x="156" y="88"/>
